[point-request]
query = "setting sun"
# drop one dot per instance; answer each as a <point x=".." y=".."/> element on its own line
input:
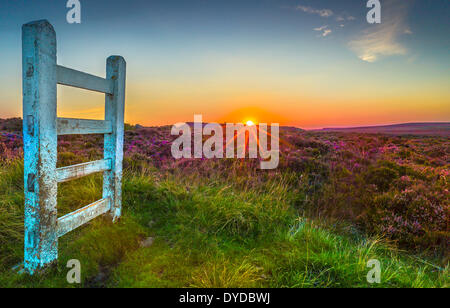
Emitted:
<point x="250" y="123"/>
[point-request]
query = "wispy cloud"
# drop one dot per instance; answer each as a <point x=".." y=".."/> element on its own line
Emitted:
<point x="407" y="31"/>
<point x="326" y="32"/>
<point x="347" y="18"/>
<point x="310" y="10"/>
<point x="324" y="29"/>
<point x="320" y="28"/>
<point x="383" y="39"/>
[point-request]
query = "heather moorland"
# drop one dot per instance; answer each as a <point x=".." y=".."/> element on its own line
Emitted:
<point x="336" y="200"/>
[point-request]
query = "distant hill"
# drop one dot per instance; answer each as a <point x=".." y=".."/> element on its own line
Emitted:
<point x="438" y="128"/>
<point x="12" y="125"/>
<point x="283" y="128"/>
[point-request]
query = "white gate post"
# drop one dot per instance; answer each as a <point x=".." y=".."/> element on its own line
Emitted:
<point x="40" y="144"/>
<point x="113" y="147"/>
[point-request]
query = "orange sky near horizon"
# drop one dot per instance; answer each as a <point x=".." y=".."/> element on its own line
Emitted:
<point x="152" y="104"/>
<point x="304" y="112"/>
<point x="308" y="110"/>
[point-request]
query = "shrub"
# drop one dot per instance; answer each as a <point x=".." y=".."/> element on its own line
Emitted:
<point x="382" y="177"/>
<point x="410" y="215"/>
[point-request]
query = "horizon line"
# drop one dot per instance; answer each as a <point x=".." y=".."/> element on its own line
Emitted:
<point x="297" y="126"/>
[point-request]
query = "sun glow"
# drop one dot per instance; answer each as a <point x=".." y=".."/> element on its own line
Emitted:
<point x="250" y="123"/>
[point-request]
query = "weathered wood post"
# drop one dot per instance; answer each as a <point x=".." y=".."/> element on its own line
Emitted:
<point x="113" y="147"/>
<point x="41" y="74"/>
<point x="40" y="144"/>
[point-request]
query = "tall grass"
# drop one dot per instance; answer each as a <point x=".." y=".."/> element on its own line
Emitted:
<point x="208" y="233"/>
<point x="11" y="213"/>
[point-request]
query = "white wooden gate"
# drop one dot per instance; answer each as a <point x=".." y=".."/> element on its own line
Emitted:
<point x="41" y="74"/>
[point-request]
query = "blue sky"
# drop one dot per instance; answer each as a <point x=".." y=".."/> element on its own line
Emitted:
<point x="308" y="63"/>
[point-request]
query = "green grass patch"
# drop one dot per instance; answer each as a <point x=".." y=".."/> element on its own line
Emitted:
<point x="206" y="234"/>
